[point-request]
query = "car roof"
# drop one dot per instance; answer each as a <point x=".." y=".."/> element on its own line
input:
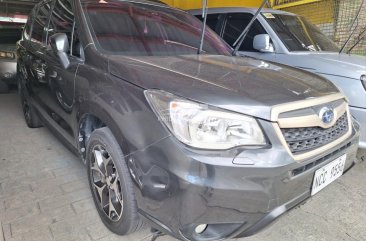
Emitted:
<point x="238" y="10"/>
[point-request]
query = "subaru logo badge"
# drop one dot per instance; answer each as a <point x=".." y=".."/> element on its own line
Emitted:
<point x="326" y="115"/>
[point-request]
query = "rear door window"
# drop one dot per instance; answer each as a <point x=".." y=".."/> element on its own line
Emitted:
<point x="235" y="25"/>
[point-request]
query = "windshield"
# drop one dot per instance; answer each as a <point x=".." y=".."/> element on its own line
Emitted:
<point x="148" y="30"/>
<point x="298" y="34"/>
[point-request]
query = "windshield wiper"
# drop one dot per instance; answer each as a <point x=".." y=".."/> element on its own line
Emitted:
<point x="204" y="16"/>
<point x="354" y="29"/>
<point x="242" y="36"/>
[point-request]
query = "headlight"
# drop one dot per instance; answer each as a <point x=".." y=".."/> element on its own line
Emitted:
<point x="200" y="126"/>
<point x="363" y="80"/>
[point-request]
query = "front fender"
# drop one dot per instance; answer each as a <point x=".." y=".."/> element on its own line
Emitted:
<point x="122" y="107"/>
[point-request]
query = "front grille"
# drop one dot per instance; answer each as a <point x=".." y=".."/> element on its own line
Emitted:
<point x="301" y="140"/>
<point x="309" y="166"/>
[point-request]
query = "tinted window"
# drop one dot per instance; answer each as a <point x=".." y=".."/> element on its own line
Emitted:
<point x="212" y="20"/>
<point x="62" y="21"/>
<point x="142" y="29"/>
<point x="298" y="34"/>
<point x="40" y="22"/>
<point x="235" y="25"/>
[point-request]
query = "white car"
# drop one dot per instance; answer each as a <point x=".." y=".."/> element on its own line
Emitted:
<point x="289" y="39"/>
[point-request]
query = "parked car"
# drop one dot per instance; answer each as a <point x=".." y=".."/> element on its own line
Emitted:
<point x="201" y="146"/>
<point x="9" y="35"/>
<point x="290" y="39"/>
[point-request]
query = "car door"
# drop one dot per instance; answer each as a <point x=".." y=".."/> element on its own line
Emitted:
<point x="60" y="96"/>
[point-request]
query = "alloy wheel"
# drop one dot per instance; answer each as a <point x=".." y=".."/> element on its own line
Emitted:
<point x="106" y="183"/>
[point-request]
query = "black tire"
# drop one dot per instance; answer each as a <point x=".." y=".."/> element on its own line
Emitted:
<point x="31" y="117"/>
<point x="104" y="143"/>
<point x="4" y="88"/>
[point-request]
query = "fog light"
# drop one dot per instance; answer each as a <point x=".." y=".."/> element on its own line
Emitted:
<point x="200" y="228"/>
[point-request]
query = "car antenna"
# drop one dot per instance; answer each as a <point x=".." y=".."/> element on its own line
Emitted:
<point x="204" y="16"/>
<point x="354" y="29"/>
<point x="242" y="36"/>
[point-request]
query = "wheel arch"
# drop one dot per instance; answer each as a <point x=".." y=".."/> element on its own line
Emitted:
<point x="90" y="119"/>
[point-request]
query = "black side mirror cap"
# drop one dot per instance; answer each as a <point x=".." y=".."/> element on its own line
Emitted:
<point x="60" y="46"/>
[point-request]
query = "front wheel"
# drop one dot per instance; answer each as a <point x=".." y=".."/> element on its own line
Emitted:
<point x="111" y="184"/>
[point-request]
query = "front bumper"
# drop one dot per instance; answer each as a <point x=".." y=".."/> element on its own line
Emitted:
<point x="178" y="188"/>
<point x="360" y="116"/>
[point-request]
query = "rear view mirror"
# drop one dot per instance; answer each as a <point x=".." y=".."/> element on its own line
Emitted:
<point x="262" y="43"/>
<point x="60" y="46"/>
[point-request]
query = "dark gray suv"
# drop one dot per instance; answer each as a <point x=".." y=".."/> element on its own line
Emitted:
<point x="201" y="146"/>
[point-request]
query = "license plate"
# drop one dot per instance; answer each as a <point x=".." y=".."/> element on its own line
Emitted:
<point x="327" y="174"/>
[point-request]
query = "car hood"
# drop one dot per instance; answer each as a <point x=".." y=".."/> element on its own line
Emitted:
<point x="349" y="66"/>
<point x="243" y="85"/>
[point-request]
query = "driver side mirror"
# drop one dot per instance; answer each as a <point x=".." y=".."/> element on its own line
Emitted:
<point x="262" y="43"/>
<point x="61" y="47"/>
